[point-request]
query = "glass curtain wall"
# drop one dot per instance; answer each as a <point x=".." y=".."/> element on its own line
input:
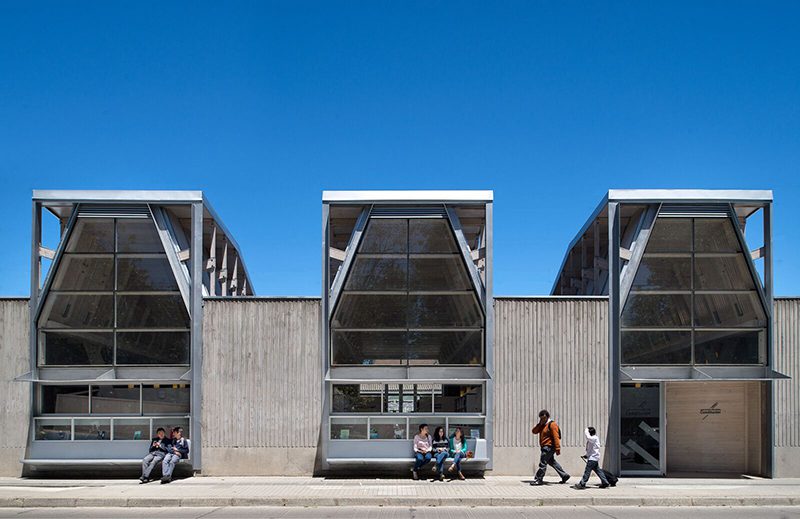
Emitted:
<point x="693" y="298"/>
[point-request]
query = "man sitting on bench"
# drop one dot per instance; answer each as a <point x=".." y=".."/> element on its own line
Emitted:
<point x="159" y="446"/>
<point x="179" y="449"/>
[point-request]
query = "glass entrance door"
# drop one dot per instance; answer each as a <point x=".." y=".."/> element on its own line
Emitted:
<point x="641" y="429"/>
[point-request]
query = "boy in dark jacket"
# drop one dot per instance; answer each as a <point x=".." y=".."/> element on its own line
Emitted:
<point x="179" y="449"/>
<point x="158" y="449"/>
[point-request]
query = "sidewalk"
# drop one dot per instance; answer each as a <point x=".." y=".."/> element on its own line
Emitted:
<point x="306" y="491"/>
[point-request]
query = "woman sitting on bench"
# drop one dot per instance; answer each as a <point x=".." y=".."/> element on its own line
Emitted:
<point x="458" y="451"/>
<point x="441" y="449"/>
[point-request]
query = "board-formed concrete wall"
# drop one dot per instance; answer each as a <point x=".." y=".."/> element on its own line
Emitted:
<point x="787" y="392"/>
<point x="262" y="386"/>
<point x="549" y="353"/>
<point x="15" y="411"/>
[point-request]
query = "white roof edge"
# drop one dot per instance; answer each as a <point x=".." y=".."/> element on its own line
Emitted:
<point x="667" y="195"/>
<point x="409" y="196"/>
<point x="90" y="195"/>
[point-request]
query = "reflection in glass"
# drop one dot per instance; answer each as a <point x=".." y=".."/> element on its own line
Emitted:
<point x="381" y="273"/>
<point x="729" y="310"/>
<point x="430" y="236"/>
<point x="662" y="310"/>
<point x="438" y="273"/>
<point x="640" y="427"/>
<point x="357" y="398"/>
<point x="151" y="273"/>
<point x="671" y="235"/>
<point x="434" y="348"/>
<point x="387" y="429"/>
<point x="715" y="235"/>
<point x="53" y="429"/>
<point x="450" y="310"/>
<point x="656" y="347"/>
<point x="64" y="399"/>
<point x="81" y="272"/>
<point x="473" y="428"/>
<point x="151" y="311"/>
<point x="168" y="348"/>
<point x="722" y="273"/>
<point x="132" y="429"/>
<point x="371" y="311"/>
<point x="348" y="429"/>
<point x="369" y="347"/>
<point x="78" y="311"/>
<point x="92" y="235"/>
<point x="168" y="422"/>
<point x="115" y="399"/>
<point x="729" y="347"/>
<point x="165" y="399"/>
<point x="138" y="235"/>
<point x="78" y="348"/>
<point x="385" y="236"/>
<point x="459" y="399"/>
<point x="92" y="429"/>
<point x="659" y="273"/>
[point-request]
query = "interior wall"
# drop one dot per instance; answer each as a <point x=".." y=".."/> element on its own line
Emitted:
<point x="16" y="409"/>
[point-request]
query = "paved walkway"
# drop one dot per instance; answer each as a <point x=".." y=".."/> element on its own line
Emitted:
<point x="306" y="491"/>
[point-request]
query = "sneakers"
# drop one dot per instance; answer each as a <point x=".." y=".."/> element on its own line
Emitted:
<point x="414" y="475"/>
<point x="537" y="483"/>
<point x="604" y="485"/>
<point x="578" y="486"/>
<point x="143" y="480"/>
<point x="166" y="480"/>
<point x="565" y="479"/>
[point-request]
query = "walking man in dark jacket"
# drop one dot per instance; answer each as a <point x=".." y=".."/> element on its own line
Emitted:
<point x="158" y="449"/>
<point x="179" y="449"/>
<point x="550" y="443"/>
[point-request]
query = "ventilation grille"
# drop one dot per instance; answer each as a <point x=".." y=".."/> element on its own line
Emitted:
<point x="694" y="211"/>
<point x="113" y="211"/>
<point x="425" y="211"/>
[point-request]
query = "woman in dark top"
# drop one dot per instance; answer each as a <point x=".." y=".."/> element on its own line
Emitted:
<point x="441" y="449"/>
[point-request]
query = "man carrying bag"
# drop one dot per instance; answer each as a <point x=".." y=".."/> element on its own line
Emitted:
<point x="550" y="443"/>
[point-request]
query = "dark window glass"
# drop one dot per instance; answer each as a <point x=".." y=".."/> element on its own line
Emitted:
<point x="53" y="429"/>
<point x="656" y="347"/>
<point x="153" y="348"/>
<point x="92" y="429"/>
<point x="662" y="310"/>
<point x="132" y="429"/>
<point x="371" y="311"/>
<point x="80" y="272"/>
<point x="65" y="399"/>
<point x="138" y="235"/>
<point x="438" y="273"/>
<point x="725" y="347"/>
<point x="451" y="310"/>
<point x="387" y="429"/>
<point x="134" y="274"/>
<point x="726" y="310"/>
<point x="715" y="235"/>
<point x="165" y="399"/>
<point x="381" y="273"/>
<point x="459" y="399"/>
<point x="430" y="236"/>
<point x="472" y="428"/>
<point x="671" y="235"/>
<point x="357" y="398"/>
<point x="408" y="398"/>
<point x="78" y="348"/>
<point x="456" y="347"/>
<point x="169" y="422"/>
<point x="385" y="236"/>
<point x="151" y="311"/>
<point x="722" y="273"/>
<point x="369" y="347"/>
<point x="92" y="235"/>
<point x="349" y="429"/>
<point x="115" y="399"/>
<point x="673" y="273"/>
<point x="78" y="311"/>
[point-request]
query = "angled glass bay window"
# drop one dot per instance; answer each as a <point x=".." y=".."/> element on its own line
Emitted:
<point x="693" y="298"/>
<point x="407" y="299"/>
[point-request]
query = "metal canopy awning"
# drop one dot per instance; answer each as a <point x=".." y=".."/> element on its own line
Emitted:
<point x="407" y="375"/>
<point x="692" y="373"/>
<point x="108" y="376"/>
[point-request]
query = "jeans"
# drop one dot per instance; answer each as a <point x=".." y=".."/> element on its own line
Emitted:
<point x="548" y="457"/>
<point x="150" y="461"/>
<point x="422" y="459"/>
<point x="170" y="460"/>
<point x="440" y="457"/>
<point x="457" y="460"/>
<point x="593" y="465"/>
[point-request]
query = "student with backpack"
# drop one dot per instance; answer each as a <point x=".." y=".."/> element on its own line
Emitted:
<point x="592" y="460"/>
<point x="550" y="443"/>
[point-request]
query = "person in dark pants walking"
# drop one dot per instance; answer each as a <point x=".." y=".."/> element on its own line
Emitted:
<point x="592" y="460"/>
<point x="550" y="443"/>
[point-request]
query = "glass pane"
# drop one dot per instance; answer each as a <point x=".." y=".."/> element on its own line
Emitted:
<point x="79" y="272"/>
<point x="78" y="311"/>
<point x="722" y="273"/>
<point x="357" y="398"/>
<point x="473" y="428"/>
<point x="726" y="347"/>
<point x="663" y="274"/>
<point x="370" y="311"/>
<point x="408" y="398"/>
<point x="653" y="347"/>
<point x="92" y="429"/>
<point x="449" y="310"/>
<point x="53" y="429"/>
<point x="432" y="422"/>
<point x="665" y="310"/>
<point x="387" y="429"/>
<point x="78" y="348"/>
<point x="145" y="274"/>
<point x="115" y="399"/>
<point x="640" y="427"/>
<point x="671" y="235"/>
<point x="725" y="310"/>
<point x="459" y="399"/>
<point x="385" y="236"/>
<point x="348" y="429"/>
<point x="151" y="311"/>
<point x="138" y="235"/>
<point x="165" y="399"/>
<point x="430" y="235"/>
<point x="153" y="348"/>
<point x="132" y="429"/>
<point x="442" y="273"/>
<point x="369" y="348"/>
<point x="434" y="348"/>
<point x="378" y="274"/>
<point x="169" y="422"/>
<point x="65" y="399"/>
<point x="715" y="235"/>
<point x="92" y="235"/>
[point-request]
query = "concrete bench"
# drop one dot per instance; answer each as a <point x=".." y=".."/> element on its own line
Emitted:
<point x="477" y="446"/>
<point x="114" y="462"/>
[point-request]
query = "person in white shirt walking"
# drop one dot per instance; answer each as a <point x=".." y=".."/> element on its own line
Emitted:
<point x="592" y="459"/>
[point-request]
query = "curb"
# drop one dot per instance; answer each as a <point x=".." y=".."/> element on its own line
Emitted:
<point x="138" y="502"/>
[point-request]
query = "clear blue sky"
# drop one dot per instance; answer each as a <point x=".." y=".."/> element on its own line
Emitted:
<point x="263" y="105"/>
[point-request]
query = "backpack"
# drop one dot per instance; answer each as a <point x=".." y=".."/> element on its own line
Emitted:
<point x="559" y="427"/>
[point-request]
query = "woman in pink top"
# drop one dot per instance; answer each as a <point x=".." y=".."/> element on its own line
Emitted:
<point x="423" y="447"/>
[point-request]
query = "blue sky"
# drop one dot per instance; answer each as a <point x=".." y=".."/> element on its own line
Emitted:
<point x="263" y="105"/>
